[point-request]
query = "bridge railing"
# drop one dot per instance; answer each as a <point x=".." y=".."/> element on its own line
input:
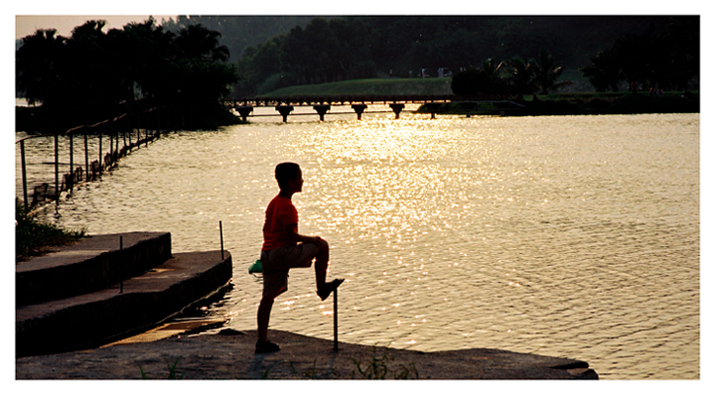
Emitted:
<point x="360" y="99"/>
<point x="120" y="135"/>
<point x="338" y="100"/>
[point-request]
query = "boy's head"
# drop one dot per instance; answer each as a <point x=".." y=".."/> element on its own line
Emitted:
<point x="289" y="177"/>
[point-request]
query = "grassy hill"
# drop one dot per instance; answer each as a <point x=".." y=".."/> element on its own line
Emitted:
<point x="366" y="87"/>
<point x="400" y="86"/>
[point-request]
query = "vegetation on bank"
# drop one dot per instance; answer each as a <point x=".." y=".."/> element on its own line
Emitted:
<point x="32" y="236"/>
<point x="573" y="104"/>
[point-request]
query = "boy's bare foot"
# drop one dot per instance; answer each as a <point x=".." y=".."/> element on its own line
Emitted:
<point x="266" y="347"/>
<point x="329" y="287"/>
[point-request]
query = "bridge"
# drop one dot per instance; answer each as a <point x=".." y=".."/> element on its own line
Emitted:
<point x="285" y="105"/>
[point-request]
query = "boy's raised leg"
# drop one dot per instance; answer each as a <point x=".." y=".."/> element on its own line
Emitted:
<point x="321" y="263"/>
<point x="321" y="269"/>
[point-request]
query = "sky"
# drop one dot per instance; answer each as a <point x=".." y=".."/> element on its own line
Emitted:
<point x="26" y="16"/>
<point x="27" y="24"/>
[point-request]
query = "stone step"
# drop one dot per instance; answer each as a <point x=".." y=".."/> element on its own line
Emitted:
<point x="89" y="265"/>
<point x="121" y="309"/>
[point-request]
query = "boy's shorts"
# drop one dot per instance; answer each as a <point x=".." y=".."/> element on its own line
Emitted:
<point x="278" y="261"/>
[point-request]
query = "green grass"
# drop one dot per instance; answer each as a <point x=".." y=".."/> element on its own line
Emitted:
<point x="387" y="87"/>
<point x="373" y="367"/>
<point x="32" y="236"/>
<point x="170" y="366"/>
<point x="380" y="368"/>
<point x="369" y="87"/>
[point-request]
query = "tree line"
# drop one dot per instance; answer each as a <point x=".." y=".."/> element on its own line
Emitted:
<point x="666" y="60"/>
<point x="515" y="76"/>
<point x="239" y="32"/>
<point x="338" y="48"/>
<point x="655" y="61"/>
<point x="95" y="74"/>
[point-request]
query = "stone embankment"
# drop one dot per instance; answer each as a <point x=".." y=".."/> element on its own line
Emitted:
<point x="106" y="287"/>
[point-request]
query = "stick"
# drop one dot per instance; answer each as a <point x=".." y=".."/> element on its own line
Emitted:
<point x="121" y="279"/>
<point x="335" y="320"/>
<point x="220" y="229"/>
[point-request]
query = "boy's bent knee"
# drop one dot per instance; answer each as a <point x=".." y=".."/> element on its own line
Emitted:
<point x="323" y="244"/>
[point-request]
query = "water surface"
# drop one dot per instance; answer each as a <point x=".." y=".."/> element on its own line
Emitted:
<point x="572" y="236"/>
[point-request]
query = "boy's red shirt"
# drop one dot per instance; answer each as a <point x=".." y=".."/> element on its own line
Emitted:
<point x="280" y="213"/>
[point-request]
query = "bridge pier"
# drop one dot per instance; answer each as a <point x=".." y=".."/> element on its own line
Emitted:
<point x="397" y="107"/>
<point x="359" y="108"/>
<point x="322" y="109"/>
<point x="244" y="111"/>
<point x="284" y="110"/>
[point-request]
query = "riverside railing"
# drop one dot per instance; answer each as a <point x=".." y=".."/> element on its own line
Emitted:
<point x="129" y="131"/>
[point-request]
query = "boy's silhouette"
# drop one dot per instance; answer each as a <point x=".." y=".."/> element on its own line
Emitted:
<point x="284" y="248"/>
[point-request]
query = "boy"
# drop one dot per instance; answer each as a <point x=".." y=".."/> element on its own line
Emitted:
<point x="284" y="248"/>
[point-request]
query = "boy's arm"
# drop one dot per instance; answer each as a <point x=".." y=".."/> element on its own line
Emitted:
<point x="292" y="235"/>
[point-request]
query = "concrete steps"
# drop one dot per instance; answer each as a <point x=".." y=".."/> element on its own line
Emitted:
<point x="94" y="291"/>
<point x="92" y="264"/>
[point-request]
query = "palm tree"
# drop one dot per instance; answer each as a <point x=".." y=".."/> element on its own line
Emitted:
<point x="519" y="74"/>
<point x="546" y="73"/>
<point x="196" y="41"/>
<point x="490" y="68"/>
<point x="38" y="63"/>
<point x="146" y="52"/>
<point x="90" y="76"/>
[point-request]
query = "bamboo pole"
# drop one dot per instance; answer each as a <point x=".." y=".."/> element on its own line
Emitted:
<point x="24" y="173"/>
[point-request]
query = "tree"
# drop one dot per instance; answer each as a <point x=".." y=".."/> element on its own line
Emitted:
<point x="667" y="59"/>
<point x="257" y="65"/>
<point x="519" y="75"/>
<point x="203" y="75"/>
<point x="546" y="73"/>
<point x="198" y="42"/>
<point x="146" y="54"/>
<point x="683" y="62"/>
<point x="604" y="72"/>
<point x="38" y="64"/>
<point x="91" y="79"/>
<point x="94" y="74"/>
<point x="476" y="81"/>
